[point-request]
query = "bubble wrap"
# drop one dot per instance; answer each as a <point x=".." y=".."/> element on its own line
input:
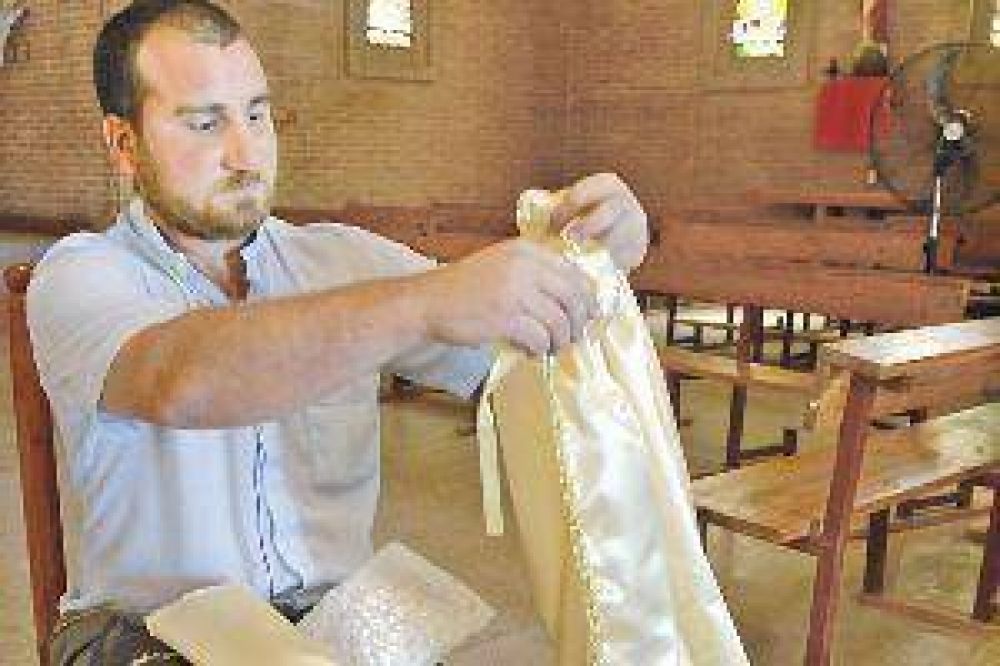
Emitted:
<point x="397" y="610"/>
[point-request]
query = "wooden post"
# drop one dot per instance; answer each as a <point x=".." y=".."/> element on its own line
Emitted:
<point x="837" y="520"/>
<point x="671" y="318"/>
<point x="39" y="489"/>
<point x="875" y="551"/>
<point x="985" y="606"/>
<point x="748" y="348"/>
<point x="787" y="333"/>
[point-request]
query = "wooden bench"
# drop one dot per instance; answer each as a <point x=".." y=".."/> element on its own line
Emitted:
<point x="892" y="244"/>
<point x="978" y="251"/>
<point x="43" y="226"/>
<point x="820" y="205"/>
<point x="890" y="298"/>
<point x="399" y="223"/>
<point x="806" y="502"/>
<point x="736" y="371"/>
<point x="439" y="231"/>
<point x="895" y="245"/>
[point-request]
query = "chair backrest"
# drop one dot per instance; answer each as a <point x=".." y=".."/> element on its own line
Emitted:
<point x="39" y="486"/>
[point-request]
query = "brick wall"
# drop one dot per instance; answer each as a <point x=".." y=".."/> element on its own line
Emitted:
<point x="636" y="102"/>
<point x="486" y="127"/>
<point x="526" y="92"/>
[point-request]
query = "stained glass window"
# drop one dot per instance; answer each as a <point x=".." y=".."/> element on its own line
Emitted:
<point x="995" y="26"/>
<point x="390" y="23"/>
<point x="760" y="28"/>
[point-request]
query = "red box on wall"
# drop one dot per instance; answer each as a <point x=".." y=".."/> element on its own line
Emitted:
<point x="843" y="113"/>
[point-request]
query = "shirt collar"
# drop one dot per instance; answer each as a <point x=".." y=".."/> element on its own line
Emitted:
<point x="156" y="248"/>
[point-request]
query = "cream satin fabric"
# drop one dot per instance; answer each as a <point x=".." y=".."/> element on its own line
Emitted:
<point x="600" y="486"/>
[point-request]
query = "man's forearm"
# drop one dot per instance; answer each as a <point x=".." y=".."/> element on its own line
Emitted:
<point x="225" y="367"/>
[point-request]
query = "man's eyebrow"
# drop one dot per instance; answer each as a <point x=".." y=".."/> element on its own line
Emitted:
<point x="218" y="109"/>
<point x="196" y="109"/>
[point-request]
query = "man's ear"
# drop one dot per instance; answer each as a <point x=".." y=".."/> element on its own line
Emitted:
<point x="122" y="142"/>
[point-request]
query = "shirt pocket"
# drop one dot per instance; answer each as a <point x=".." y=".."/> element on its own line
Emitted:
<point x="342" y="443"/>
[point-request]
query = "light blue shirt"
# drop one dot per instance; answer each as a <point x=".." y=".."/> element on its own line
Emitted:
<point x="160" y="511"/>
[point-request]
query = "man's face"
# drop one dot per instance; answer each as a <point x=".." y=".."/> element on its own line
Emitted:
<point x="207" y="155"/>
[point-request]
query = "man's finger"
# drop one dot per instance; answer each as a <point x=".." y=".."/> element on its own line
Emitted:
<point x="550" y="314"/>
<point x="585" y="194"/>
<point x="570" y="286"/>
<point x="529" y="335"/>
<point x="596" y="222"/>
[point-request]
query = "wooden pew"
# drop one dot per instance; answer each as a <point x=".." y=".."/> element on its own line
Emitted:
<point x="895" y="244"/>
<point x="445" y="232"/>
<point x="890" y="298"/>
<point x="473" y="218"/>
<point x="903" y="299"/>
<point x="45" y="226"/>
<point x="821" y="204"/>
<point x="402" y="224"/>
<point x="978" y="251"/>
<point x="892" y="244"/>
<point x="806" y="502"/>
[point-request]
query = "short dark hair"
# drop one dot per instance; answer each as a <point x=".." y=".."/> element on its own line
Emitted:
<point x="116" y="75"/>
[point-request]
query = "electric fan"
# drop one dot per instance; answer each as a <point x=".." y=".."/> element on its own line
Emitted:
<point x="935" y="133"/>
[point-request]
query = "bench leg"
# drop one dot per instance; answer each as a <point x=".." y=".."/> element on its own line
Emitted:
<point x="674" y="389"/>
<point x="826" y="592"/>
<point x="876" y="547"/>
<point x="789" y="441"/>
<point x="730" y="318"/>
<point x="758" y="343"/>
<point x="734" y="438"/>
<point x="813" y="357"/>
<point x="837" y="521"/>
<point x="964" y="495"/>
<point x="671" y="319"/>
<point x="985" y="606"/>
<point x="787" y="333"/>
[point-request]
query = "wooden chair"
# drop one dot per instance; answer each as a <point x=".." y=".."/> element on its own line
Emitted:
<point x="39" y="487"/>
<point x="807" y="501"/>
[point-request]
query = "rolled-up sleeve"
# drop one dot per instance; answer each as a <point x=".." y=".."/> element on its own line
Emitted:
<point x="86" y="298"/>
<point x="456" y="369"/>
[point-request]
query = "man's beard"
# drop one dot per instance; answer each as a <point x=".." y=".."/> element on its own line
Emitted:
<point x="209" y="221"/>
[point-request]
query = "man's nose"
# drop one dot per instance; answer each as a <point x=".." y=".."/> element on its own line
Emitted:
<point x="245" y="148"/>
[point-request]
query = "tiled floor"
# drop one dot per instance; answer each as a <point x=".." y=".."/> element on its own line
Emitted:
<point x="431" y="502"/>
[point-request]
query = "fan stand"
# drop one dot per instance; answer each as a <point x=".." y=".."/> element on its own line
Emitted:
<point x="933" y="229"/>
<point x="949" y="151"/>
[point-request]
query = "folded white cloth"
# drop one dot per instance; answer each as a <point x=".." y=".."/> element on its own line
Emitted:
<point x="229" y="625"/>
<point x="600" y="486"/>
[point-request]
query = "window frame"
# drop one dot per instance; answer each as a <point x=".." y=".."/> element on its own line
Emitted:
<point x="720" y="68"/>
<point x="981" y="20"/>
<point x="375" y="61"/>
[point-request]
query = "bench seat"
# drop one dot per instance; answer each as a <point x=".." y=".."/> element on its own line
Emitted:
<point x="739" y="373"/>
<point x="762" y="501"/>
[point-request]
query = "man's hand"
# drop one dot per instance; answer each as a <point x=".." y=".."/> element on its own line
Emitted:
<point x="517" y="291"/>
<point x="603" y="208"/>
